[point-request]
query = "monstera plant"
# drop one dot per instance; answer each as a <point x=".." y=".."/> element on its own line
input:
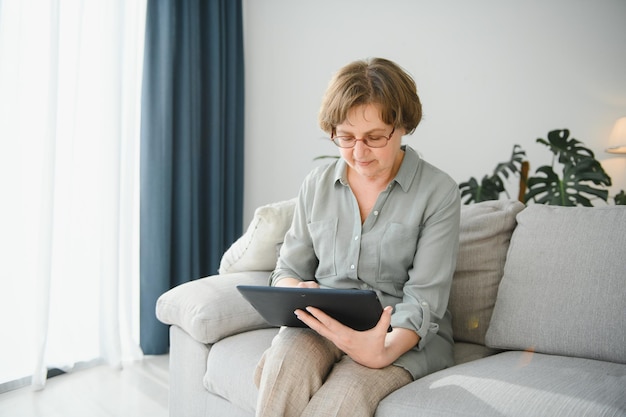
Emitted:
<point x="574" y="178"/>
<point x="581" y="178"/>
<point x="491" y="186"/>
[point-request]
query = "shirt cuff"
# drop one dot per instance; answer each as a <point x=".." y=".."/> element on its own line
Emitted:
<point x="416" y="318"/>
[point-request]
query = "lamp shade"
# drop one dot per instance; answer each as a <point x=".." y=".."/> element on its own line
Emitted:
<point x="617" y="139"/>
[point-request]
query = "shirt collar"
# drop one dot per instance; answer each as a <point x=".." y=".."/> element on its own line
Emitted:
<point x="408" y="169"/>
<point x="340" y="172"/>
<point x="405" y="174"/>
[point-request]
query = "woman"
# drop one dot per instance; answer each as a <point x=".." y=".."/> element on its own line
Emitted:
<point x="379" y="218"/>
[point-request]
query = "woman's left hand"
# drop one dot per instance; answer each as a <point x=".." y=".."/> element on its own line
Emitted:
<point x="374" y="348"/>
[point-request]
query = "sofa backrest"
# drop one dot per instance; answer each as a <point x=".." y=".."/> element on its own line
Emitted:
<point x="485" y="233"/>
<point x="484" y="239"/>
<point x="564" y="286"/>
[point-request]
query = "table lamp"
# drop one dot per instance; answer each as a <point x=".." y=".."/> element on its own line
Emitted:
<point x="617" y="139"/>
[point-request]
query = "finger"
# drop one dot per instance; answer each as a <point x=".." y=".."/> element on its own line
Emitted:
<point x="385" y="320"/>
<point x="320" y="316"/>
<point x="321" y="322"/>
<point x="311" y="321"/>
<point x="302" y="315"/>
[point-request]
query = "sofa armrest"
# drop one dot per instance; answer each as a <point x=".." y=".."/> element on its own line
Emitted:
<point x="210" y="309"/>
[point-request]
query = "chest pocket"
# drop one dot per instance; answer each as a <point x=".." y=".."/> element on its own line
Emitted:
<point x="323" y="235"/>
<point x="397" y="252"/>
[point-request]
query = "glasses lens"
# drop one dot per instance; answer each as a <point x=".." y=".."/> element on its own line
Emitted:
<point x="344" y="142"/>
<point x="376" y="142"/>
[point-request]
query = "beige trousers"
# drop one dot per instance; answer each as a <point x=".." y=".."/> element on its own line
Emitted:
<point x="304" y="374"/>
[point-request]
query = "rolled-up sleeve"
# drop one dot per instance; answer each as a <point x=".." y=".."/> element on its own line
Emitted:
<point x="426" y="292"/>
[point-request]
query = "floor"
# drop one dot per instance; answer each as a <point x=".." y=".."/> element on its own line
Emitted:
<point x="140" y="389"/>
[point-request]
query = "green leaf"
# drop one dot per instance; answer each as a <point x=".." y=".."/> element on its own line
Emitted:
<point x="492" y="186"/>
<point x="550" y="185"/>
<point x="581" y="171"/>
<point x="567" y="150"/>
<point x="469" y="188"/>
<point x="513" y="165"/>
<point x="488" y="189"/>
<point x="574" y="189"/>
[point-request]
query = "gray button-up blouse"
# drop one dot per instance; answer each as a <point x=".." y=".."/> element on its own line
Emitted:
<point x="405" y="250"/>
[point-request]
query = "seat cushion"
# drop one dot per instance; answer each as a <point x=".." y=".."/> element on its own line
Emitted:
<point x="562" y="291"/>
<point x="515" y="384"/>
<point x="231" y="364"/>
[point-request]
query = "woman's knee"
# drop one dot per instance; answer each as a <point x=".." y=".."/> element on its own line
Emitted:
<point x="300" y="351"/>
<point x="354" y="390"/>
<point x="304" y="342"/>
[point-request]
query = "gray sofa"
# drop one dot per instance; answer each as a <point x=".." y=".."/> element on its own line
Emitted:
<point x="539" y="315"/>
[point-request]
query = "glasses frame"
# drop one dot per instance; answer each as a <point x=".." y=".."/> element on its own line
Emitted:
<point x="364" y="140"/>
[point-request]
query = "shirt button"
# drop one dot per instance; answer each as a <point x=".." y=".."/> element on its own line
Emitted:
<point x="351" y="266"/>
<point x="356" y="238"/>
<point x="375" y="212"/>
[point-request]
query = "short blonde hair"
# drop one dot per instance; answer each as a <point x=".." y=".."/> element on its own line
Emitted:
<point x="372" y="81"/>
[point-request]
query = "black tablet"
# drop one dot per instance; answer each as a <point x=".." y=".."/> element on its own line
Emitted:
<point x="358" y="309"/>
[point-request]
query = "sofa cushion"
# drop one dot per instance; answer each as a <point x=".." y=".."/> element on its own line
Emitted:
<point x="231" y="364"/>
<point x="514" y="384"/>
<point x="212" y="308"/>
<point x="466" y="352"/>
<point x="563" y="286"/>
<point x="485" y="232"/>
<point x="257" y="249"/>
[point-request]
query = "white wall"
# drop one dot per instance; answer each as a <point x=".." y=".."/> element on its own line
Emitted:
<point x="490" y="74"/>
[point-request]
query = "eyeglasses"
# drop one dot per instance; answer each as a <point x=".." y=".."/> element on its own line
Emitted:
<point x="373" y="141"/>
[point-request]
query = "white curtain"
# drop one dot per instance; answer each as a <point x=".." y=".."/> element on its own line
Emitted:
<point x="70" y="87"/>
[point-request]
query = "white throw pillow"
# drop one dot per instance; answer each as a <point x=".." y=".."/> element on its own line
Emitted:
<point x="210" y="309"/>
<point x="257" y="249"/>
